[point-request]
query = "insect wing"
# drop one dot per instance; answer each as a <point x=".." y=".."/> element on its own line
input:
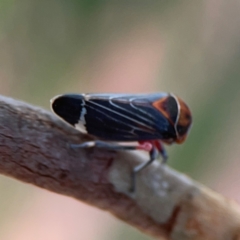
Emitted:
<point x="69" y="107"/>
<point x="124" y="117"/>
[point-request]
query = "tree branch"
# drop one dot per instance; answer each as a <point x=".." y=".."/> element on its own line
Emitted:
<point x="34" y="146"/>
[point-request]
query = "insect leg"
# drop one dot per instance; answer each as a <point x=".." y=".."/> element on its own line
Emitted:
<point x="153" y="155"/>
<point x="105" y="145"/>
<point x="152" y="148"/>
<point x="162" y="151"/>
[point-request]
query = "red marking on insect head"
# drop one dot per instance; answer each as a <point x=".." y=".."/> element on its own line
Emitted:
<point x="185" y="116"/>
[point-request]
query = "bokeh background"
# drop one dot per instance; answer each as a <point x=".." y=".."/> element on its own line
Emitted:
<point x="190" y="48"/>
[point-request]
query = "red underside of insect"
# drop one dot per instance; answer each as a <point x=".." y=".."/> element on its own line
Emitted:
<point x="149" y="145"/>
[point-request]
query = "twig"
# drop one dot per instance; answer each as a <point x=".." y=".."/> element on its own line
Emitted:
<point x="34" y="146"/>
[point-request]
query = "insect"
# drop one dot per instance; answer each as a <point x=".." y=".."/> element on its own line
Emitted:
<point x="149" y="119"/>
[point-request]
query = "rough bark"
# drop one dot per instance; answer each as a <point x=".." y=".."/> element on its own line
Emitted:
<point x="34" y="146"/>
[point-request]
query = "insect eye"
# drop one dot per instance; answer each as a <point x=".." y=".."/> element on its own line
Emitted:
<point x="182" y="130"/>
<point x="185" y="119"/>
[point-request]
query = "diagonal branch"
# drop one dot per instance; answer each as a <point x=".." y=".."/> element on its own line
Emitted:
<point x="168" y="205"/>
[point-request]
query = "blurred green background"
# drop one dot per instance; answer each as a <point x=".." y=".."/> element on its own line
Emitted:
<point x="190" y="48"/>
